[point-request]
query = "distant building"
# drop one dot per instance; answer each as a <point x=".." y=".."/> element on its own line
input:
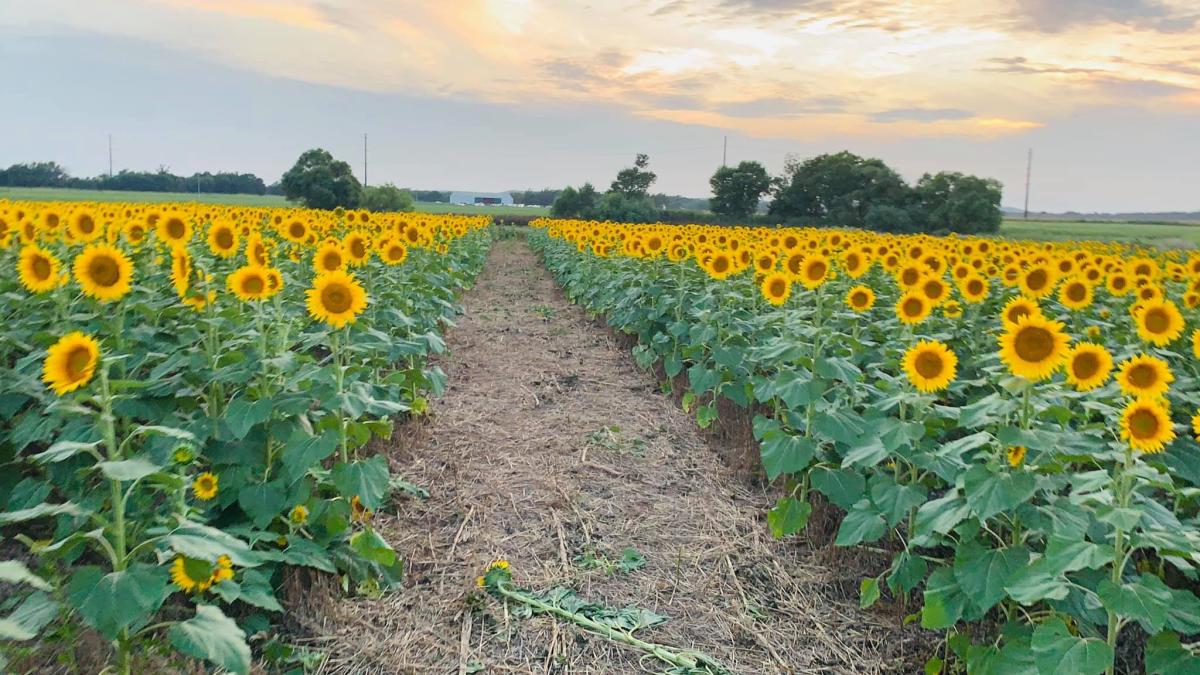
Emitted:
<point x="481" y="198"/>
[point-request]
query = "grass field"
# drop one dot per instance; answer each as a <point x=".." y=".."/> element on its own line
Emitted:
<point x="1173" y="235"/>
<point x="65" y="194"/>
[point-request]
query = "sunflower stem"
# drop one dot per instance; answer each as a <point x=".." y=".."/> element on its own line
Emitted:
<point x="109" y="429"/>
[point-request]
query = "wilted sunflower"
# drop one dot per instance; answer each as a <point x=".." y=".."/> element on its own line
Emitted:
<point x="38" y="269"/>
<point x="205" y="486"/>
<point x="71" y="362"/>
<point x="249" y="283"/>
<point x="1146" y="425"/>
<point x="776" y="288"/>
<point x="1088" y="366"/>
<point x="1159" y="322"/>
<point x="860" y="298"/>
<point x="1144" y="375"/>
<point x="913" y="307"/>
<point x="930" y="366"/>
<point x="336" y="298"/>
<point x="1034" y="347"/>
<point x="104" y="272"/>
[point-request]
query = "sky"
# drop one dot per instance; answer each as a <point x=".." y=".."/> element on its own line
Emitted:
<point x="507" y="94"/>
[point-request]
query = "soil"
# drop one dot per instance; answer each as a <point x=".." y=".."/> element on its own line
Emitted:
<point x="551" y="448"/>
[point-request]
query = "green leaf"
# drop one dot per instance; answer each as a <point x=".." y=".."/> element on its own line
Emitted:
<point x="865" y="453"/>
<point x="1165" y="655"/>
<point x="934" y="666"/>
<point x="1147" y="600"/>
<point x="117" y="600"/>
<point x="170" y="432"/>
<point x="1184" y="614"/>
<point x="795" y="389"/>
<point x="241" y="416"/>
<point x="304" y="452"/>
<point x="15" y="572"/>
<point x="63" y="450"/>
<point x="861" y="524"/>
<point x="893" y="500"/>
<point x="1037" y="584"/>
<point x="1069" y="555"/>
<point x="631" y="561"/>
<point x="213" y="637"/>
<point x="29" y="618"/>
<point x="868" y="592"/>
<point x="305" y="553"/>
<point x="983" y="573"/>
<point x="368" y="480"/>
<point x="209" y="543"/>
<point x="128" y="469"/>
<point x="944" y="600"/>
<point x="783" y="453"/>
<point x="256" y="590"/>
<point x="941" y="515"/>
<point x="1057" y="651"/>
<point x="370" y="546"/>
<point x="908" y="571"/>
<point x="989" y="493"/>
<point x="842" y="487"/>
<point x="788" y="516"/>
<point x="40" y="511"/>
<point x="262" y="502"/>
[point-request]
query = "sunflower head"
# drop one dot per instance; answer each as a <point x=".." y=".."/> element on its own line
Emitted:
<point x="814" y="271"/>
<point x="71" y="362"/>
<point x="1146" y="425"/>
<point x="1144" y="376"/>
<point x="913" y="307"/>
<point x="104" y="272"/>
<point x="205" y="486"/>
<point x="974" y="288"/>
<point x="1075" y="294"/>
<point x="1019" y="307"/>
<point x="930" y="366"/>
<point x="860" y="298"/>
<point x="38" y="269"/>
<point x="336" y="298"/>
<point x="776" y="288"/>
<point x="1159" y="322"/>
<point x="249" y="283"/>
<point x="223" y="240"/>
<point x="1016" y="455"/>
<point x="1088" y="366"/>
<point x="1034" y="347"/>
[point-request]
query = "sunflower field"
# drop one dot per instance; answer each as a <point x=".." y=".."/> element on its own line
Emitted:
<point x="1012" y="424"/>
<point x="187" y="398"/>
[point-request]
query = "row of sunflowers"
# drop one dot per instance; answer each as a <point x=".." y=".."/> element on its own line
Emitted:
<point x="1013" y="423"/>
<point x="186" y="393"/>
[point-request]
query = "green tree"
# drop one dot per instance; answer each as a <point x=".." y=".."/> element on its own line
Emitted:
<point x="321" y="182"/>
<point x="635" y="181"/>
<point x="387" y="197"/>
<point x="576" y="203"/>
<point x="737" y="189"/>
<point x="955" y="202"/>
<point x="837" y="190"/>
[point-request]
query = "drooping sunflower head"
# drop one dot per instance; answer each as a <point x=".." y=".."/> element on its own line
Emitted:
<point x="1144" y="375"/>
<point x="913" y="307"/>
<point x="860" y="298"/>
<point x="1159" y="322"/>
<point x="1034" y="347"/>
<point x="336" y="298"/>
<point x="181" y="270"/>
<point x="930" y="366"/>
<point x="38" y="269"/>
<point x="71" y="362"/>
<point x="104" y="272"/>
<point x="1088" y="366"/>
<point x="1146" y="425"/>
<point x="776" y="288"/>
<point x="249" y="283"/>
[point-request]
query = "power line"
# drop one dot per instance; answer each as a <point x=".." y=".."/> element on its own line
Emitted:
<point x="1028" y="172"/>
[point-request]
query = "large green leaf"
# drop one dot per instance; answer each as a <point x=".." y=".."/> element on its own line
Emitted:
<point x="63" y="450"/>
<point x="129" y="469"/>
<point x="944" y="600"/>
<point x="370" y="546"/>
<point x="861" y="524"/>
<point x="1057" y="652"/>
<point x="304" y="452"/>
<point x="262" y="502"/>
<point x="783" y="452"/>
<point x="40" y="511"/>
<point x="213" y="637"/>
<point x="117" y="600"/>
<point x="241" y="415"/>
<point x="368" y="480"/>
<point x="208" y="543"/>
<point x="15" y="572"/>
<point x="841" y="486"/>
<point x="940" y="515"/>
<point x="983" y="573"/>
<point x="865" y="453"/>
<point x="788" y="516"/>
<point x="989" y="493"/>
<point x="1146" y="599"/>
<point x="893" y="500"/>
<point x="1166" y="656"/>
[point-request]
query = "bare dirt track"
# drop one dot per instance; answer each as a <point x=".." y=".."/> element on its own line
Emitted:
<point x="523" y="461"/>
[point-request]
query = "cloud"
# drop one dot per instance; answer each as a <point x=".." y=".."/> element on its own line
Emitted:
<point x="779" y="106"/>
<point x="1054" y="16"/>
<point x="920" y="115"/>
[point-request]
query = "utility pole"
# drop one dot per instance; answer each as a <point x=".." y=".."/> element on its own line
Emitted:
<point x="724" y="151"/>
<point x="364" y="160"/>
<point x="110" y="174"/>
<point x="1028" y="171"/>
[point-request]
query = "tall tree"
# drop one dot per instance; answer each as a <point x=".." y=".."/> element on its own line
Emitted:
<point x="634" y="182"/>
<point x="321" y="182"/>
<point x="955" y="202"/>
<point x="838" y="189"/>
<point x="737" y="189"/>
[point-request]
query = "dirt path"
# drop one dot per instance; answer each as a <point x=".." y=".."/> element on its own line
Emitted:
<point x="524" y="461"/>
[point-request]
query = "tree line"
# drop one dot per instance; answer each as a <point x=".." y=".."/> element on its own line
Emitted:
<point x="831" y="190"/>
<point x="51" y="174"/>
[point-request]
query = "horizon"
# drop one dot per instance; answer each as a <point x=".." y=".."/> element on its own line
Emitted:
<point x="493" y="94"/>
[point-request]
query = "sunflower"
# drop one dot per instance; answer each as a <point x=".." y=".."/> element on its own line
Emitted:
<point x="71" y="362"/>
<point x="1146" y="425"/>
<point x="776" y="288"/>
<point x="1075" y="294"/>
<point x="934" y="288"/>
<point x="393" y="252"/>
<point x="223" y="240"/>
<point x="1088" y="366"/>
<point x="1144" y="376"/>
<point x="38" y="269"/>
<point x="296" y="231"/>
<point x="951" y="309"/>
<point x="1196" y="343"/>
<point x="205" y="486"/>
<point x="336" y="298"/>
<point x="930" y="366"/>
<point x="83" y="226"/>
<point x="249" y="283"/>
<point x="196" y="576"/>
<point x="1019" y="307"/>
<point x="357" y="248"/>
<point x="1016" y="455"/>
<point x="719" y="266"/>
<point x="1196" y="426"/>
<point x="974" y="288"/>
<point x="913" y="307"/>
<point x="104" y="272"/>
<point x="860" y="298"/>
<point x="298" y="515"/>
<point x="1034" y="347"/>
<point x="174" y="229"/>
<point x="814" y="272"/>
<point x="1159" y="322"/>
<point x="1037" y="282"/>
<point x="181" y="270"/>
<point x="1118" y="284"/>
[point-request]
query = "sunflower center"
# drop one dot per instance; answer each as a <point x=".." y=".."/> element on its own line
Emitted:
<point x="296" y="230"/>
<point x="42" y="268"/>
<point x="720" y="264"/>
<point x="1143" y="376"/>
<point x="253" y="285"/>
<point x="817" y="270"/>
<point x="1034" y="344"/>
<point x="1118" y="283"/>
<point x="336" y="298"/>
<point x="225" y="239"/>
<point x="910" y="276"/>
<point x="859" y="299"/>
<point x="913" y="307"/>
<point x="1017" y="312"/>
<point x="1143" y="424"/>
<point x="77" y="362"/>
<point x="333" y="260"/>
<point x="1076" y="292"/>
<point x="395" y="253"/>
<point x="104" y="271"/>
<point x="1036" y="280"/>
<point x="777" y="288"/>
<point x="975" y="287"/>
<point x="85" y="224"/>
<point x="1085" y="365"/>
<point x="176" y="228"/>
<point x="929" y="365"/>
<point x="1156" y="321"/>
